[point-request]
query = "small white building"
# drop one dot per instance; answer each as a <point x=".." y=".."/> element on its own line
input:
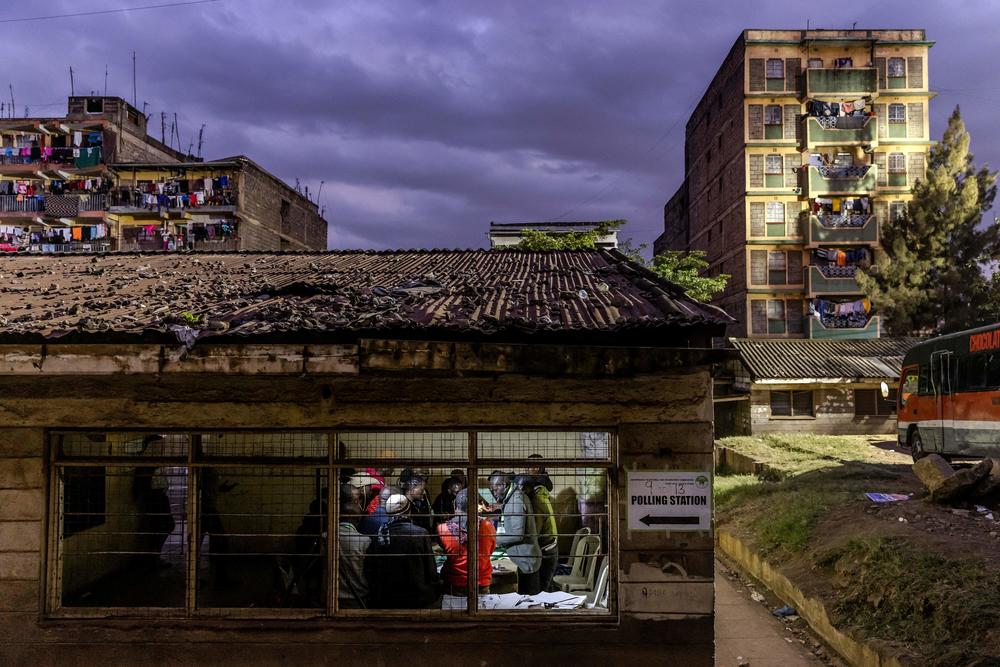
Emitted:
<point x="508" y="234"/>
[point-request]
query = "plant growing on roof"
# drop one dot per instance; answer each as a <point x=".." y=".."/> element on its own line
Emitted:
<point x="684" y="269"/>
<point x="189" y="318"/>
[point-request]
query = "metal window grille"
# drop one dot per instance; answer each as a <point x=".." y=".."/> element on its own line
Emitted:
<point x="897" y="113"/>
<point x="772" y="114"/>
<point x="897" y="163"/>
<point x="772" y="164"/>
<point x="240" y="524"/>
<point x="775" y="68"/>
<point x="775" y="212"/>
<point x="897" y="67"/>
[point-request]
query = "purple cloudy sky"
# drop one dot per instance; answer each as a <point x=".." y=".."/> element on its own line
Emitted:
<point x="427" y="119"/>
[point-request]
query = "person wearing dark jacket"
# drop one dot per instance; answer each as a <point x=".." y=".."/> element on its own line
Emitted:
<point x="399" y="566"/>
<point x="539" y="490"/>
<point x="516" y="531"/>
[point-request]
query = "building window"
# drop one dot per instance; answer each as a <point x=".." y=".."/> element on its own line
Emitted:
<point x="897" y="169"/>
<point x="815" y="63"/>
<point x="775" y="73"/>
<point x="897" y="121"/>
<point x="773" y="176"/>
<point x="791" y="404"/>
<point x="896" y="68"/>
<point x="94" y="105"/>
<point x="774" y="218"/>
<point x="897" y="210"/>
<point x="869" y="403"/>
<point x="772" y="121"/>
<point x="776" y="316"/>
<point x="777" y="270"/>
<point x="236" y="523"/>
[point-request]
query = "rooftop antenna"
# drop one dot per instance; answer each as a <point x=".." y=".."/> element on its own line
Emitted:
<point x="26" y="114"/>
<point x="320" y="193"/>
<point x="135" y="98"/>
<point x="11" y="86"/>
<point x="854" y="25"/>
<point x="163" y="127"/>
<point x="177" y="129"/>
<point x="72" y="85"/>
<point x="171" y="143"/>
<point x="144" y="105"/>
<point x="201" y="136"/>
<point x="105" y="80"/>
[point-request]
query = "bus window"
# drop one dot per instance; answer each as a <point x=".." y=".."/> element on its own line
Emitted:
<point x="974" y="372"/>
<point x="909" y="384"/>
<point x="924" y="381"/>
<point x="993" y="371"/>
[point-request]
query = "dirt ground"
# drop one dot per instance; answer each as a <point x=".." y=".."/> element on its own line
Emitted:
<point x="847" y="557"/>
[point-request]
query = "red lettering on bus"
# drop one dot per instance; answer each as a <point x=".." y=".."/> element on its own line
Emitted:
<point x="984" y="341"/>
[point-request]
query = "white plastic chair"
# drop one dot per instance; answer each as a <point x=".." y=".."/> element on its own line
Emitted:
<point x="583" y="562"/>
<point x="599" y="596"/>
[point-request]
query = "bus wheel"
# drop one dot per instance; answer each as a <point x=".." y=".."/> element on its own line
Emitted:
<point x="916" y="446"/>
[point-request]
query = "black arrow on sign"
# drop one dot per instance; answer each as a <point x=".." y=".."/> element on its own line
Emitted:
<point x="670" y="520"/>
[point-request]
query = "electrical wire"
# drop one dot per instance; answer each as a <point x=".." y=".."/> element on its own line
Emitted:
<point x="97" y="12"/>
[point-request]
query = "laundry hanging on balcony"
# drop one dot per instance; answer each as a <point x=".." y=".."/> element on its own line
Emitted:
<point x="852" y="314"/>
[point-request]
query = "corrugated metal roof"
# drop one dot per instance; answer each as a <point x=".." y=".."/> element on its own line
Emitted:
<point x="277" y="296"/>
<point x="877" y="358"/>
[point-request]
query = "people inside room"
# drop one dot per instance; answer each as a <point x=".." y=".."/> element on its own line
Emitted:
<point x="399" y="567"/>
<point x="516" y="531"/>
<point x="454" y="536"/>
<point x="444" y="505"/>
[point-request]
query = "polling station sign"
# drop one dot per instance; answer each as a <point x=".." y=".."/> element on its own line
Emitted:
<point x="676" y="500"/>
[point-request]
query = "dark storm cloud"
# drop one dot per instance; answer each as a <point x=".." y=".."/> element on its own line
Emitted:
<point x="426" y="120"/>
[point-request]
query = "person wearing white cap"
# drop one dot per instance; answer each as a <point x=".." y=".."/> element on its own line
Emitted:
<point x="400" y="566"/>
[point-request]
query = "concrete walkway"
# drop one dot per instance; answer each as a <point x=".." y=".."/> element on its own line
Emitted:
<point x="746" y="629"/>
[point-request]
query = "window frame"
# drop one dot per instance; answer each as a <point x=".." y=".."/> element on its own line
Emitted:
<point x="778" y="73"/>
<point x="897" y="210"/>
<point x="811" y="63"/>
<point x="900" y="115"/>
<point x="792" y="413"/>
<point x="768" y="169"/>
<point x="783" y="319"/>
<point x="772" y="266"/>
<point x="900" y="70"/>
<point x="475" y="467"/>
<point x="774" y="227"/>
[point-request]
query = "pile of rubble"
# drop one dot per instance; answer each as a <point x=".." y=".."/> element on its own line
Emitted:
<point x="948" y="485"/>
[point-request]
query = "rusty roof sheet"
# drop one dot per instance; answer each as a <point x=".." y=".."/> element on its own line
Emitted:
<point x="878" y="358"/>
<point x="276" y="297"/>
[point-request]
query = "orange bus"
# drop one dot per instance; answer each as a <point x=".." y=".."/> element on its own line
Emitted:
<point x="949" y="395"/>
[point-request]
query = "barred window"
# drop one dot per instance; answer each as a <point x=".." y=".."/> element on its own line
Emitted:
<point x="896" y="67"/>
<point x="776" y="316"/>
<point x="775" y="68"/>
<point x="772" y="164"/>
<point x="815" y="63"/>
<point x="897" y="113"/>
<point x="772" y="114"/>
<point x="897" y="210"/>
<point x="241" y="524"/>
<point x="897" y="163"/>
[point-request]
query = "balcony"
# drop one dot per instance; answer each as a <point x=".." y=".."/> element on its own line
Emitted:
<point x="129" y="200"/>
<point x="818" y="331"/>
<point x="825" y="181"/>
<point x="838" y="230"/>
<point x="101" y="245"/>
<point x="30" y="159"/>
<point x="54" y="206"/>
<point x="830" y="280"/>
<point x="849" y="130"/>
<point x="849" y="82"/>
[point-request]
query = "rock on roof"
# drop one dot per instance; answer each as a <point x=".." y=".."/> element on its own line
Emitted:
<point x="878" y="358"/>
<point x="285" y="297"/>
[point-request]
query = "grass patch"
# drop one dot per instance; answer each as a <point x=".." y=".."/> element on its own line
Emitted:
<point x="799" y="453"/>
<point x="892" y="590"/>
<point x="791" y="517"/>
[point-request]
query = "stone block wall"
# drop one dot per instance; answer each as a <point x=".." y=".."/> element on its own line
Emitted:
<point x="272" y="205"/>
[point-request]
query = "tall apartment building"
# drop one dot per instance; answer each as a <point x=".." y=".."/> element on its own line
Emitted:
<point x="803" y="143"/>
<point x="95" y="180"/>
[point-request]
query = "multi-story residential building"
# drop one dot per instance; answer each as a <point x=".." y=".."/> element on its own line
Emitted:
<point x="95" y="180"/>
<point x="803" y="143"/>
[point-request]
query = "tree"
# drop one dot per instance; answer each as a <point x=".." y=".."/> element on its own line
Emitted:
<point x="685" y="269"/>
<point x="681" y="268"/>
<point x="932" y="275"/>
